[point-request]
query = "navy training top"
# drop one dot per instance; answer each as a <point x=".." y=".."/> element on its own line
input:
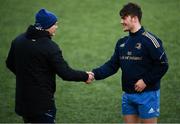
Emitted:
<point x="140" y="56"/>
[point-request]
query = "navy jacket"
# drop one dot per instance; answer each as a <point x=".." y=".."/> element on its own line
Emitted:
<point x="140" y="56"/>
<point x="35" y="60"/>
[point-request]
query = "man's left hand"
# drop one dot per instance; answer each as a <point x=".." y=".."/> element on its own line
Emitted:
<point x="140" y="85"/>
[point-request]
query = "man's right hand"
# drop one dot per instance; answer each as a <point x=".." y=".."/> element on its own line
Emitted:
<point x="90" y="78"/>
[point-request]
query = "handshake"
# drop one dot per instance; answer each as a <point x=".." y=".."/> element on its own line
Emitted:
<point x="90" y="78"/>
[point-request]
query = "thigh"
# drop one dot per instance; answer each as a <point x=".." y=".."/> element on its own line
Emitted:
<point x="47" y="117"/>
<point x="128" y="107"/>
<point x="131" y="119"/>
<point x="151" y="120"/>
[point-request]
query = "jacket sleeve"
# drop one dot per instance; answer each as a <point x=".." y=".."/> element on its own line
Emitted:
<point x="62" y="68"/>
<point x="10" y="59"/>
<point x="160" y="61"/>
<point x="109" y="68"/>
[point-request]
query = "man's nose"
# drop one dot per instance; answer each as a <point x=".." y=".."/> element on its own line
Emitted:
<point x="121" y="21"/>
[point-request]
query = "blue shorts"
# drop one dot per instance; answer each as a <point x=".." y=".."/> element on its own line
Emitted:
<point x="146" y="104"/>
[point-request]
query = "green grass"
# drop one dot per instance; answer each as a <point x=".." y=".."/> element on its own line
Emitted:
<point x="88" y="31"/>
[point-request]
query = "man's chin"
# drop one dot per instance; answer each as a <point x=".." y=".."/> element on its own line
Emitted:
<point x="52" y="34"/>
<point x="125" y="30"/>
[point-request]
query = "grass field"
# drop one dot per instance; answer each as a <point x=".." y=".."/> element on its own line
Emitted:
<point x="88" y="31"/>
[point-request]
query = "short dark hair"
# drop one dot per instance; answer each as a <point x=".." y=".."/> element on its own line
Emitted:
<point x="131" y="9"/>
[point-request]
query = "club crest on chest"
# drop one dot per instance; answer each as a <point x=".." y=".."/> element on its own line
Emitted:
<point x="138" y="46"/>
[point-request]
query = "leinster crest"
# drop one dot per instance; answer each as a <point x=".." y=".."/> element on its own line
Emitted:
<point x="138" y="46"/>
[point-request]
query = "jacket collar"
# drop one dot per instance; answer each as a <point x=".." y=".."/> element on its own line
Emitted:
<point x="139" y="32"/>
<point x="34" y="33"/>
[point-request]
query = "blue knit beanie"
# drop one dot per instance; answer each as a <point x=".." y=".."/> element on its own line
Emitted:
<point x="45" y="19"/>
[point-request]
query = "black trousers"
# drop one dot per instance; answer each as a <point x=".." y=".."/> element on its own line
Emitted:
<point x="47" y="117"/>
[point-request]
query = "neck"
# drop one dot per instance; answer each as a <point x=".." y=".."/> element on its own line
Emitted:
<point x="135" y="28"/>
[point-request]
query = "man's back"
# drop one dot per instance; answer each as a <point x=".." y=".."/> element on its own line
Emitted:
<point x="35" y="59"/>
<point x="35" y="78"/>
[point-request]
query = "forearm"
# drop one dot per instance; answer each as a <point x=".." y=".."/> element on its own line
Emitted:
<point x="70" y="74"/>
<point x="104" y="71"/>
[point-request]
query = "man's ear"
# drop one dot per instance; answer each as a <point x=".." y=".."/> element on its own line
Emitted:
<point x="135" y="19"/>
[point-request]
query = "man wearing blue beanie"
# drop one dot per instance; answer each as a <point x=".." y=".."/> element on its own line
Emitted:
<point x="35" y="60"/>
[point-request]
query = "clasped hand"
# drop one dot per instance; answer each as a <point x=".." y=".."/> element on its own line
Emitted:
<point x="90" y="78"/>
